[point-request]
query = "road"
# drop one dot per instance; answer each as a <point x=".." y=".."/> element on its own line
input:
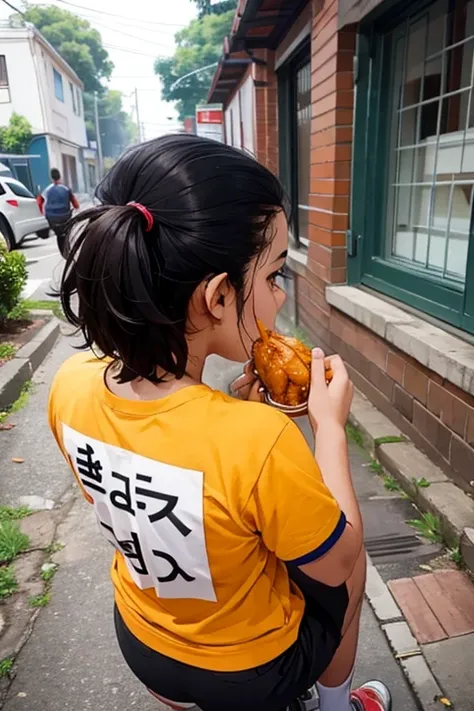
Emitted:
<point x="44" y="267"/>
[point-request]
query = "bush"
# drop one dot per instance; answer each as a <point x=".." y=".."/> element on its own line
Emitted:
<point x="13" y="275"/>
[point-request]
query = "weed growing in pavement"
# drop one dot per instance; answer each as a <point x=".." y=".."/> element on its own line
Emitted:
<point x="389" y="439"/>
<point x="456" y="556"/>
<point x="7" y="351"/>
<point x="354" y="435"/>
<point x="7" y="513"/>
<point x="54" y="547"/>
<point x="23" y="398"/>
<point x="376" y="467"/>
<point x="47" y="571"/>
<point x="390" y="484"/>
<point x="40" y="600"/>
<point x="428" y="526"/>
<point x="6" y="667"/>
<point x="421" y="483"/>
<point x="8" y="583"/>
<point x="12" y="541"/>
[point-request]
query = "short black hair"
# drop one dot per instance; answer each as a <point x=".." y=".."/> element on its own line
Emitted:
<point x="55" y="174"/>
<point x="212" y="206"/>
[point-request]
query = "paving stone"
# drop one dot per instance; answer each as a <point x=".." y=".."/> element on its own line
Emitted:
<point x="423" y="682"/>
<point x="379" y="595"/>
<point x="28" y="566"/>
<point x="400" y="638"/>
<point x="40" y="528"/>
<point x="452" y="664"/>
<point x="423" y="622"/>
<point x="450" y="596"/>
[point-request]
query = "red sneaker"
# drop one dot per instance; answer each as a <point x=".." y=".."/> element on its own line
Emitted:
<point x="372" y="696"/>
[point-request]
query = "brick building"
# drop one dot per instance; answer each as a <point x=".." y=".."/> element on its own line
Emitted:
<point x="365" y="109"/>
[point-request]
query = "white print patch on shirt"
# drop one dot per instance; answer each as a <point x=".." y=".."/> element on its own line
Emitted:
<point x="151" y="512"/>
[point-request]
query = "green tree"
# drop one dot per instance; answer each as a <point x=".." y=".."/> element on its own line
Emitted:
<point x="76" y="41"/>
<point x="198" y="45"/>
<point x="15" y="137"/>
<point x="207" y="7"/>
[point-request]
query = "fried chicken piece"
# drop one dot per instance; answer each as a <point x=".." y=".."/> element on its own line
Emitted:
<point x="284" y="367"/>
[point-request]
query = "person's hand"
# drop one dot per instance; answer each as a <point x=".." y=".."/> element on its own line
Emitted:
<point x="329" y="403"/>
<point x="247" y="386"/>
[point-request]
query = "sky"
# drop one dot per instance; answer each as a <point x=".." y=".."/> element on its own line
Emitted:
<point x="134" y="33"/>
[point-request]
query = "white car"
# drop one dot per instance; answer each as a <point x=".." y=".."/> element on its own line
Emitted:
<point x="20" y="215"/>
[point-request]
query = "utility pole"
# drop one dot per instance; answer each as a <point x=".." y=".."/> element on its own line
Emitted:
<point x="137" y="112"/>
<point x="100" y="158"/>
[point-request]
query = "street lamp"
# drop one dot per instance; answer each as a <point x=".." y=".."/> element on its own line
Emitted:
<point x="190" y="74"/>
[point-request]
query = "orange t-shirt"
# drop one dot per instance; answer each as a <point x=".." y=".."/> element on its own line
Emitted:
<point x="204" y="497"/>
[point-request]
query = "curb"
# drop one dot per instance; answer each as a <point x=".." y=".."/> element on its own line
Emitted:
<point x="400" y="639"/>
<point x="406" y="463"/>
<point x="16" y="372"/>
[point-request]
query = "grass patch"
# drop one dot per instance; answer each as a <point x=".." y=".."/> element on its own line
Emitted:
<point x="7" y="351"/>
<point x="40" y="600"/>
<point x="354" y="435"/>
<point x="12" y="541"/>
<point x="44" y="305"/>
<point x="23" y="397"/>
<point x="390" y="439"/>
<point x="18" y="404"/>
<point x="7" y="513"/>
<point x="6" y="667"/>
<point x="428" y="526"/>
<point x="8" y="583"/>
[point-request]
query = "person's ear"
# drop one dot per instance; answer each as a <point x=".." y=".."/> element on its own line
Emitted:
<point x="215" y="294"/>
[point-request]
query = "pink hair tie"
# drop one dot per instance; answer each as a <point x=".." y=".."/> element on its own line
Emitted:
<point x="145" y="212"/>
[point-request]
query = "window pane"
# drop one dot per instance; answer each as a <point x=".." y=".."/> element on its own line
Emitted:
<point x="3" y="71"/>
<point x="433" y="163"/>
<point x="19" y="190"/>
<point x="58" y="85"/>
<point x="303" y="129"/>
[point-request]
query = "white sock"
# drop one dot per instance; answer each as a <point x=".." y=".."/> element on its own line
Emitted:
<point x="335" y="698"/>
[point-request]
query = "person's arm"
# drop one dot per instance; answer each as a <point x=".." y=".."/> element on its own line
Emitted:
<point x="40" y="200"/>
<point x="74" y="201"/>
<point x="328" y="411"/>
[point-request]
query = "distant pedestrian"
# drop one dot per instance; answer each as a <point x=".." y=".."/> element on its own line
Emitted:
<point x="56" y="203"/>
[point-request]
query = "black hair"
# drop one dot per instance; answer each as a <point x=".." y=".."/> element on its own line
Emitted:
<point x="212" y="206"/>
<point x="55" y="174"/>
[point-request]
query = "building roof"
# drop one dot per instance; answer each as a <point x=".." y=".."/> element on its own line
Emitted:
<point x="258" y="24"/>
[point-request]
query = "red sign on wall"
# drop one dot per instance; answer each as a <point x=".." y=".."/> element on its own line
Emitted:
<point x="209" y="116"/>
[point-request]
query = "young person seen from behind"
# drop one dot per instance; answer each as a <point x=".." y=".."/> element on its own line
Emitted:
<point x="240" y="569"/>
<point x="57" y="203"/>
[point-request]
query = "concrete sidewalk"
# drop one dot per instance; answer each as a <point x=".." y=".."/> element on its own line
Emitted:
<point x="71" y="661"/>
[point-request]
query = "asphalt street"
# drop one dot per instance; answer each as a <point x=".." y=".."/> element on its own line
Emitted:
<point x="44" y="265"/>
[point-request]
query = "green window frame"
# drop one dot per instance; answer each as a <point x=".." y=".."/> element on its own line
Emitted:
<point x="439" y="295"/>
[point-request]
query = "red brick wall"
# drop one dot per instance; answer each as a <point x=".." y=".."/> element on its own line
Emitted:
<point x="266" y="110"/>
<point x="436" y="415"/>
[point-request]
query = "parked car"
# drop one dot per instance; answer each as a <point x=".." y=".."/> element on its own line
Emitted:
<point x="20" y="215"/>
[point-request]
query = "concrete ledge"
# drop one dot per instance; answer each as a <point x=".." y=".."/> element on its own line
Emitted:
<point x="448" y="356"/>
<point x="467" y="547"/>
<point x="407" y="464"/>
<point x="371" y="423"/>
<point x="16" y="372"/>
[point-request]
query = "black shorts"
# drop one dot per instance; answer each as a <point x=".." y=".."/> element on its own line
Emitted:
<point x="269" y="687"/>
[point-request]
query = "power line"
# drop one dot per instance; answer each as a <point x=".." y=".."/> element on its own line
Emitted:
<point x="127" y="34"/>
<point x="129" y="24"/>
<point x="12" y="7"/>
<point x="112" y="14"/>
<point x="130" y="51"/>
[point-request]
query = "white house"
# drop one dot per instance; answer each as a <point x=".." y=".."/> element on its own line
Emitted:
<point x="36" y="82"/>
